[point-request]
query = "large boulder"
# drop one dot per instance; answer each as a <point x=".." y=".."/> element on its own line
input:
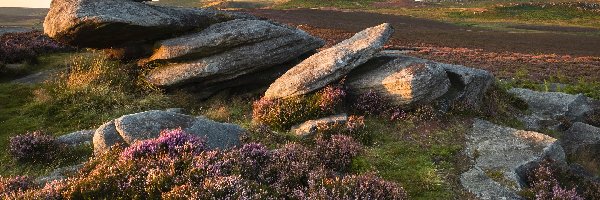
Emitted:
<point x="551" y="109"/>
<point x="467" y="85"/>
<point x="110" y="23"/>
<point x="77" y="138"/>
<point x="502" y="156"/>
<point x="331" y="64"/>
<point x="228" y="50"/>
<point x="146" y="125"/>
<point x="582" y="146"/>
<point x="404" y="81"/>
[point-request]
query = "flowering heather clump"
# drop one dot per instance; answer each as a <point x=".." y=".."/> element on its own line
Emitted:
<point x="173" y="142"/>
<point x="338" y="152"/>
<point x="546" y="186"/>
<point x="34" y="147"/>
<point x="281" y="114"/>
<point x="178" y="166"/>
<point x="370" y="103"/>
<point x="17" y="47"/>
<point x="324" y="185"/>
<point x="13" y="185"/>
<point x="331" y="96"/>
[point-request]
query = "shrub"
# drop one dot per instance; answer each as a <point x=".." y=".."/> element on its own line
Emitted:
<point x="11" y="186"/>
<point x="18" y="47"/>
<point x="551" y="180"/>
<point x="546" y="186"/>
<point x="171" y="142"/>
<point x="177" y="166"/>
<point x="34" y="147"/>
<point x="370" y="103"/>
<point x="281" y="114"/>
<point x="338" y="152"/>
<point x="326" y="185"/>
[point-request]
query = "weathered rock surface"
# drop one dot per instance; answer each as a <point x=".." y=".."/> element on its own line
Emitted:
<point x="510" y="152"/>
<point x="145" y="125"/>
<point x="77" y="138"/>
<point x="59" y="174"/>
<point x="404" y="81"/>
<point x="582" y="145"/>
<point x="228" y="50"/>
<point x="310" y="127"/>
<point x="110" y="23"/>
<point x="331" y="64"/>
<point x="467" y="85"/>
<point x="548" y="109"/>
<point x="106" y="136"/>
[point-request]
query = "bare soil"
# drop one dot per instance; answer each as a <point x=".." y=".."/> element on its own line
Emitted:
<point x="537" y="56"/>
<point x="423" y="32"/>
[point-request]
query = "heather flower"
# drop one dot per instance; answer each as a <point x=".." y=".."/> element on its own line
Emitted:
<point x="337" y="153"/>
<point x="281" y="114"/>
<point x="330" y="97"/>
<point x="171" y="142"/>
<point x="34" y="147"/>
<point x="17" y="47"/>
<point x="370" y="103"/>
<point x="10" y="186"/>
<point x="253" y="160"/>
<point x="546" y="186"/>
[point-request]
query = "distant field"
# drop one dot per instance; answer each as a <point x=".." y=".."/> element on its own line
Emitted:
<point x="22" y="17"/>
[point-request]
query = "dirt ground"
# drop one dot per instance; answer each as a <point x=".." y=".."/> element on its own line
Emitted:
<point x="537" y="56"/>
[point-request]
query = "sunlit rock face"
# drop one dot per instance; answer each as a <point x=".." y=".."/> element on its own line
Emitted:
<point x="227" y="50"/>
<point x="113" y="23"/>
<point x="330" y="64"/>
<point x="403" y="81"/>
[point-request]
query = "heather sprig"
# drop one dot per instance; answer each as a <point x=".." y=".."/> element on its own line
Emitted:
<point x="34" y="147"/>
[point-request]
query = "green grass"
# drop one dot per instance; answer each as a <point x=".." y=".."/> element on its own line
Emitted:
<point x="94" y="91"/>
<point x="424" y="158"/>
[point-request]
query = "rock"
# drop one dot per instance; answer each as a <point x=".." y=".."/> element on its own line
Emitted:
<point x="485" y="188"/>
<point x="77" y="138"/>
<point x="59" y="174"/>
<point x="110" y="23"/>
<point x="467" y="85"/>
<point x="404" y="81"/>
<point x="504" y="155"/>
<point x="331" y="64"/>
<point x="218" y="135"/>
<point x="105" y="137"/>
<point x="228" y="50"/>
<point x="176" y="110"/>
<point x="582" y="145"/>
<point x="149" y="124"/>
<point x="550" y="109"/>
<point x="310" y="127"/>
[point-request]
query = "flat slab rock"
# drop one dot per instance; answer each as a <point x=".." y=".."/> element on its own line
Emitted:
<point x="549" y="108"/>
<point x="145" y="125"/>
<point x="510" y="152"/>
<point x="77" y="138"/>
<point x="403" y="81"/>
<point x="228" y="50"/>
<point x="310" y="127"/>
<point x="331" y="64"/>
<point x="110" y="23"/>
